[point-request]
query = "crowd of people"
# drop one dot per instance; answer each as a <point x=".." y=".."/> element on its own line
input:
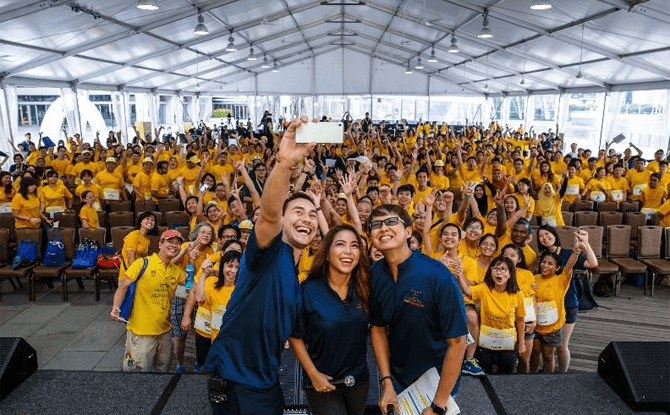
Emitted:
<point x="416" y="238"/>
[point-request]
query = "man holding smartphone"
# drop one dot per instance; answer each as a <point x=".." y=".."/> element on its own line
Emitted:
<point x="263" y="308"/>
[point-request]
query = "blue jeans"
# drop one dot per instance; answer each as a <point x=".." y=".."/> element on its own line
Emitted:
<point x="245" y="400"/>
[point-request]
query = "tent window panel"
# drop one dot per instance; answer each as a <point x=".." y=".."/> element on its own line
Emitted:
<point x="161" y="113"/>
<point x="132" y="112"/>
<point x="544" y="108"/>
<point x="497" y="108"/>
<point x="516" y="108"/>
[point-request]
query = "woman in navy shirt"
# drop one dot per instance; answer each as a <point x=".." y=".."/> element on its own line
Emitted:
<point x="548" y="240"/>
<point x="330" y="335"/>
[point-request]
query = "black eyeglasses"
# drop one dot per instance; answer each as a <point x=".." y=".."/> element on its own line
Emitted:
<point x="376" y="224"/>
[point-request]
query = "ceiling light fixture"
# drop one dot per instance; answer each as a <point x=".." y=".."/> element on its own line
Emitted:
<point x="540" y="5"/>
<point x="418" y="64"/>
<point x="408" y="71"/>
<point x="485" y="32"/>
<point x="432" y="58"/>
<point x="275" y="67"/>
<point x="200" y="28"/>
<point x="523" y="80"/>
<point x="581" y="55"/>
<point x="453" y="48"/>
<point x="251" y="56"/>
<point x="147" y="5"/>
<point x="231" y="43"/>
<point x="266" y="63"/>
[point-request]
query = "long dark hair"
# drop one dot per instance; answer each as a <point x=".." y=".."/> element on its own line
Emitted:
<point x="551" y="230"/>
<point x="144" y="215"/>
<point x="25" y="183"/>
<point x="522" y="257"/>
<point x="229" y="256"/>
<point x="9" y="187"/>
<point x="360" y="276"/>
<point x="512" y="285"/>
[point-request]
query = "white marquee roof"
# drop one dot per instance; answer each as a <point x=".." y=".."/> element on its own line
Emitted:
<point x="112" y="45"/>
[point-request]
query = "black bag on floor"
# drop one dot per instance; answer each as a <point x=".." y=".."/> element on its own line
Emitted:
<point x="585" y="292"/>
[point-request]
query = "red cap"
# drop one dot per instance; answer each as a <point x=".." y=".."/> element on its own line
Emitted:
<point x="171" y="234"/>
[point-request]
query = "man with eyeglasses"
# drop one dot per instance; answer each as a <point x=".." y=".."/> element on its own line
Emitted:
<point x="417" y="313"/>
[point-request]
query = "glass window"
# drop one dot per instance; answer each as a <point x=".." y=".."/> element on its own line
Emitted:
<point x="132" y="111"/>
<point x="544" y="107"/>
<point x="516" y="108"/>
<point x="100" y="98"/>
<point x="161" y="113"/>
<point x="497" y="108"/>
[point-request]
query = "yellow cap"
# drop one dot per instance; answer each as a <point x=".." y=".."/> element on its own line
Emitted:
<point x="194" y="159"/>
<point x="110" y="160"/>
<point x="439" y="163"/>
<point x="342" y="196"/>
<point x="246" y="224"/>
<point x="148" y="160"/>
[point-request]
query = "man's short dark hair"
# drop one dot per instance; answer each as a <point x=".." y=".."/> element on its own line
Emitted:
<point x="389" y="209"/>
<point x="294" y="196"/>
<point x="407" y="188"/>
<point x="223" y="228"/>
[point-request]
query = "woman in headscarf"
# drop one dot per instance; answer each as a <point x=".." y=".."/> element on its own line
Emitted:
<point x="548" y="206"/>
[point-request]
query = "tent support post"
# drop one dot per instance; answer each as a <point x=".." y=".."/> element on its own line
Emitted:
<point x="602" y="120"/>
<point x="9" y="113"/>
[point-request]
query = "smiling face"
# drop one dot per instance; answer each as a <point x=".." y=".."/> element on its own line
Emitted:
<point x="546" y="238"/>
<point x="205" y="234"/>
<point x="512" y="254"/>
<point x="300" y="223"/>
<point x="500" y="274"/>
<point x="344" y="252"/>
<point x="148" y="223"/>
<point x="520" y="234"/>
<point x="449" y="237"/>
<point x="390" y="237"/>
<point x="548" y="266"/>
<point x="510" y="204"/>
<point x="230" y="271"/>
<point x="169" y="248"/>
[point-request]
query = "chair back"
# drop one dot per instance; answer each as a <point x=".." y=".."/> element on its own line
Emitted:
<point x="176" y="217"/>
<point x="635" y="220"/>
<point x="96" y="234"/>
<point x="28" y="234"/>
<point x="119" y="206"/>
<point x="567" y="236"/>
<point x="567" y="217"/>
<point x="584" y="218"/>
<point x="116" y="219"/>
<point x="142" y="205"/>
<point x="102" y="218"/>
<point x="154" y="240"/>
<point x="184" y="231"/>
<point x="66" y="219"/>
<point x="565" y="207"/>
<point x="582" y="205"/>
<point x="649" y="238"/>
<point x="118" y="233"/>
<point x="628" y="206"/>
<point x="7" y="222"/>
<point x="618" y="241"/>
<point x="667" y="245"/>
<point x="4" y="244"/>
<point x="610" y="218"/>
<point x="168" y="205"/>
<point x="67" y="236"/>
<point x="595" y="238"/>
<point x="606" y="207"/>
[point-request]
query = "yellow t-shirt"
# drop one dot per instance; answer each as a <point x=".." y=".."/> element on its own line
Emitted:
<point x="439" y="182"/>
<point x="132" y="170"/>
<point x="90" y="215"/>
<point x="29" y="208"/>
<point x="575" y="187"/>
<point x="160" y="183"/>
<point x="81" y="166"/>
<point x="619" y="187"/>
<point x="93" y="187"/>
<point x="305" y="264"/>
<point x="637" y="181"/>
<point x="468" y="175"/>
<point x="134" y="241"/>
<point x="217" y="300"/>
<point x="61" y="166"/>
<point x="596" y="194"/>
<point x="499" y="310"/>
<point x="109" y="182"/>
<point x="190" y="175"/>
<point x="664" y="210"/>
<point x="550" y="294"/>
<point x="464" y="249"/>
<point x="142" y="185"/>
<point x="469" y="269"/>
<point x="153" y="296"/>
<point x="420" y="195"/>
<point x="54" y="198"/>
<point x="653" y="198"/>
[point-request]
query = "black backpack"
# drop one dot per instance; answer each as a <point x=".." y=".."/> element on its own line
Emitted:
<point x="584" y="292"/>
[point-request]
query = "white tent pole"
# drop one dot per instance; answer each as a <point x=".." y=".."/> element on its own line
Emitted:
<point x="9" y="114"/>
<point x="602" y="120"/>
<point x="78" y="112"/>
<point x="428" y="112"/>
<point x="372" y="63"/>
<point x="124" y="129"/>
<point x="558" y="113"/>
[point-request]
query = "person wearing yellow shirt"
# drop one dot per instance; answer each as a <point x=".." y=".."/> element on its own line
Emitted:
<point x="111" y="182"/>
<point x="638" y="178"/>
<point x="192" y="173"/>
<point x="223" y="168"/>
<point x="61" y="163"/>
<point x="149" y="332"/>
<point x="653" y="196"/>
<point x="521" y="232"/>
<point x="598" y="187"/>
<point x="437" y="178"/>
<point x="521" y="171"/>
<point x="26" y="206"/>
<point x="405" y="194"/>
<point x="84" y="164"/>
<point x="86" y="184"/>
<point x="87" y="214"/>
<point x="142" y="181"/>
<point x="665" y="177"/>
<point x="590" y="170"/>
<point x="576" y="188"/>
<point x="502" y="316"/>
<point x="548" y="206"/>
<point x="54" y="197"/>
<point x="422" y="189"/>
<point x="653" y="166"/>
<point x="133" y="168"/>
<point x="7" y="192"/>
<point x="550" y="294"/>
<point x="136" y="243"/>
<point x="160" y="184"/>
<point x="470" y="172"/>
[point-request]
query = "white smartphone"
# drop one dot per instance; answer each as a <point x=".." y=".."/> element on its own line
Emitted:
<point x="322" y="132"/>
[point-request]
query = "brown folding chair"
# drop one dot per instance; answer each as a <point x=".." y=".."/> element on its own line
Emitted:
<point x="629" y="206"/>
<point x="7" y="222"/>
<point x="635" y="220"/>
<point x="102" y="218"/>
<point x="76" y="205"/>
<point x="4" y="249"/>
<point x="168" y="205"/>
<point x="604" y="267"/>
<point x="618" y="252"/>
<point x="567" y="236"/>
<point x="96" y="234"/>
<point x="610" y="218"/>
<point x="119" y="206"/>
<point x="565" y="207"/>
<point x="115" y="219"/>
<point x="606" y="207"/>
<point x="118" y="234"/>
<point x="184" y="231"/>
<point x="174" y="217"/>
<point x="650" y="253"/>
<point x="24" y="235"/>
<point x="155" y="239"/>
<point x="582" y="205"/>
<point x="144" y="205"/>
<point x="583" y="218"/>
<point x="567" y="217"/>
<point x="43" y="272"/>
<point x="595" y="238"/>
<point x="66" y="220"/>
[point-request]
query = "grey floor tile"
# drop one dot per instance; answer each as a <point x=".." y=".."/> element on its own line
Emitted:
<point x="97" y="336"/>
<point x="68" y="360"/>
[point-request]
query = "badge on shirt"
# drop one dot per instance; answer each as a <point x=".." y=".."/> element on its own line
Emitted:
<point x="413" y="299"/>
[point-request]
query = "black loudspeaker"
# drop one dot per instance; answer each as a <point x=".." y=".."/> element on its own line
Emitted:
<point x="639" y="372"/>
<point x="18" y="360"/>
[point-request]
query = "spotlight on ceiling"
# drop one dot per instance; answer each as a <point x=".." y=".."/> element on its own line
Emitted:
<point x="453" y="48"/>
<point x="432" y="58"/>
<point x="523" y="81"/>
<point x="231" y="44"/>
<point x="147" y="5"/>
<point x="408" y="70"/>
<point x="275" y="67"/>
<point x="540" y="5"/>
<point x="485" y="32"/>
<point x="251" y="56"/>
<point x="200" y="28"/>
<point x="266" y="63"/>
<point x="579" y="75"/>
<point x="418" y="65"/>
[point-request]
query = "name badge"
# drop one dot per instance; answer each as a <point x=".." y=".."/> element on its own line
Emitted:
<point x="598" y="196"/>
<point x="549" y="220"/>
<point x="6" y="207"/>
<point x="217" y="317"/>
<point x="203" y="320"/>
<point x="111" y="194"/>
<point x="650" y="212"/>
<point x="181" y="292"/>
<point x="572" y="190"/>
<point x="496" y="339"/>
<point x="52" y="210"/>
<point x="96" y="206"/>
<point x="529" y="305"/>
<point x="547" y="313"/>
<point x="617" y="195"/>
<point x="637" y="190"/>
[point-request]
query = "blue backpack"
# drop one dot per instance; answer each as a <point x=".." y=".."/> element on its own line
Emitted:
<point x="55" y="253"/>
<point x="26" y="254"/>
<point x="129" y="299"/>
<point x="86" y="255"/>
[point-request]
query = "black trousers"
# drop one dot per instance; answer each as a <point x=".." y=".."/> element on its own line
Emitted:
<point x="345" y="402"/>
<point x="245" y="400"/>
<point x="504" y="360"/>
<point x="202" y="345"/>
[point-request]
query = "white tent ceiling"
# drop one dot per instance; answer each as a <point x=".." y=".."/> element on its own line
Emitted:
<point x="110" y="45"/>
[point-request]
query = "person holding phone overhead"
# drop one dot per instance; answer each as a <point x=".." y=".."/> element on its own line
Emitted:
<point x="244" y="357"/>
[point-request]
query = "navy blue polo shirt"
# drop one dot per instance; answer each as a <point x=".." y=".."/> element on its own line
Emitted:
<point x="334" y="331"/>
<point x="259" y="317"/>
<point x="571" y="300"/>
<point x="422" y="310"/>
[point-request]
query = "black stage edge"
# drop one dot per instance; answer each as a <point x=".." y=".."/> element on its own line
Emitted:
<point x="54" y="392"/>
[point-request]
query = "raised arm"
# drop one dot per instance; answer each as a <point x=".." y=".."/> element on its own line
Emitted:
<point x="348" y="185"/>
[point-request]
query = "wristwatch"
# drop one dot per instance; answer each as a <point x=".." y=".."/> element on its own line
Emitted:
<point x="437" y="409"/>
